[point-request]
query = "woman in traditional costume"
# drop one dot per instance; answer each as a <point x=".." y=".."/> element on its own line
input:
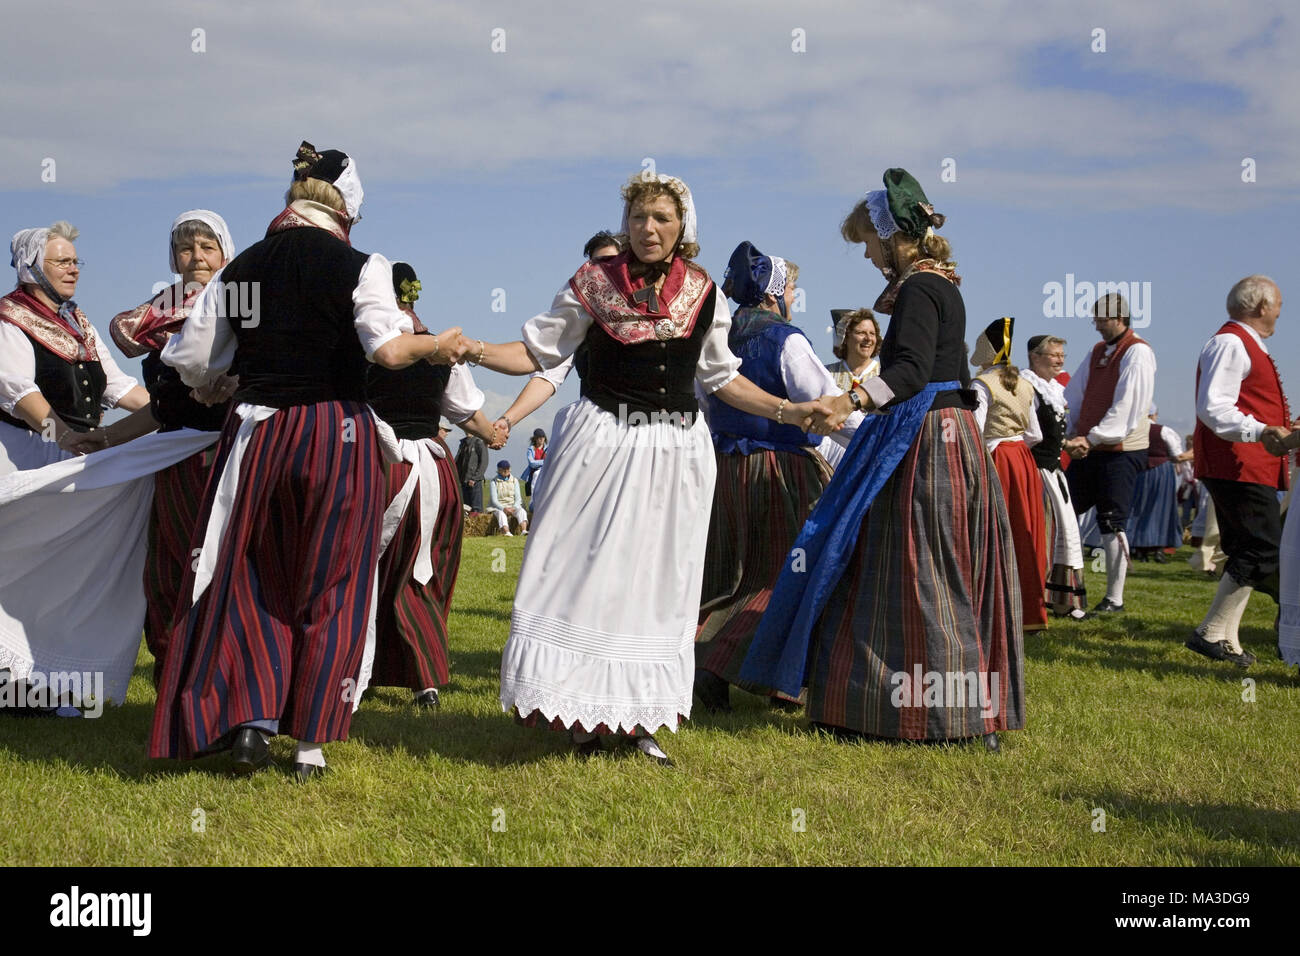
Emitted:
<point x="1155" y="526"/>
<point x="1005" y="414"/>
<point x="200" y="244"/>
<point x="769" y="476"/>
<point x="603" y="630"/>
<point x="56" y="378"/>
<point x="857" y="346"/>
<point x="900" y="602"/>
<point x="281" y="588"/>
<point x="1067" y="595"/>
<point x="423" y="521"/>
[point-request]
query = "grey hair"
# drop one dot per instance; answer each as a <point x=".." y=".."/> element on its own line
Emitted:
<point x="1250" y="293"/>
<point x="191" y="229"/>
<point x="63" y="230"/>
<point x="1049" y="342"/>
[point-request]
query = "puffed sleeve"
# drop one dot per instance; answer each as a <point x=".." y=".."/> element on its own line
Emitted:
<point x="375" y="314"/>
<point x="556" y="376"/>
<point x="118" y="382"/>
<point x="17" y="367"/>
<point x="205" y="345"/>
<point x="552" y="337"/>
<point x="462" y="397"/>
<point x="717" y="365"/>
<point x="807" y="379"/>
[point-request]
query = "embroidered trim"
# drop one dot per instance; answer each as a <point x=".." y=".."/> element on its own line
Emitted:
<point x="611" y="309"/>
<point x="51" y="334"/>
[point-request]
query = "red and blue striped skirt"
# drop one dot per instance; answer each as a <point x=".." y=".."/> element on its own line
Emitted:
<point x="760" y="502"/>
<point x="280" y="631"/>
<point x="411" y="622"/>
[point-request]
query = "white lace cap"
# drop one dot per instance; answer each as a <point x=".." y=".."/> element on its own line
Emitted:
<point x="349" y="186"/>
<point x="213" y="222"/>
<point x="881" y="217"/>
<point x="776" y="284"/>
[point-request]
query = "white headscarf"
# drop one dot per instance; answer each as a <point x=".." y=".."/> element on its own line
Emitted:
<point x="213" y="222"/>
<point x="683" y="193"/>
<point x="27" y="254"/>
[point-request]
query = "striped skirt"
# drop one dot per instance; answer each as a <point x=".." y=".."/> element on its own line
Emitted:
<point x="760" y="502"/>
<point x="177" y="500"/>
<point x="1022" y="488"/>
<point x="279" y="633"/>
<point x="921" y="638"/>
<point x="411" y="620"/>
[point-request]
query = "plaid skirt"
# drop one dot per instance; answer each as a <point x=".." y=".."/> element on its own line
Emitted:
<point x="921" y="638"/>
<point x="760" y="502"/>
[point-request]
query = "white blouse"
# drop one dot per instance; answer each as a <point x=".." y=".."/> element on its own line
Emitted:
<point x="18" y="370"/>
<point x="205" y="346"/>
<point x="463" y="397"/>
<point x="554" y="336"/>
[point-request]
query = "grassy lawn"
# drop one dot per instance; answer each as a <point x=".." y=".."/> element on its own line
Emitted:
<point x="1122" y="722"/>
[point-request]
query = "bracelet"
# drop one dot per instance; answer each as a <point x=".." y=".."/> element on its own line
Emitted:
<point x="481" y="348"/>
<point x="780" y="410"/>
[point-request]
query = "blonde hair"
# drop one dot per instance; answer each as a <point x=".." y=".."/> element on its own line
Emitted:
<point x="900" y="251"/>
<point x="791" y="272"/>
<point x="317" y="190"/>
<point x="644" y="191"/>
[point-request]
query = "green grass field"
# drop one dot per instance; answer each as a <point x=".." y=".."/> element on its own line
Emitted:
<point x="1126" y="729"/>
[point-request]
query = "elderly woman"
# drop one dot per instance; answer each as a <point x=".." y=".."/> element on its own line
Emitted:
<point x="56" y="377"/>
<point x="423" y="520"/>
<point x="280" y="595"/>
<point x="1066" y="594"/>
<point x="769" y="476"/>
<point x="902" y="580"/>
<point x="1005" y="414"/>
<point x="602" y="634"/>
<point x="199" y="246"/>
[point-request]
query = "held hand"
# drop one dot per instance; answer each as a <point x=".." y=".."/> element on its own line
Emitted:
<point x="83" y="443"/>
<point x="1274" y="439"/>
<point x="449" y="350"/>
<point x="1077" y="447"/>
<point x="821" y="417"/>
<point x="220" y="389"/>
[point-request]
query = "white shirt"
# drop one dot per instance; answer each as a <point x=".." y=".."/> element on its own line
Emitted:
<point x="1133" y="393"/>
<point x="18" y="370"/>
<point x="1032" y="434"/>
<point x="552" y="337"/>
<point x="1173" y="441"/>
<point x="205" y="346"/>
<point x="462" y="397"/>
<point x="1224" y="365"/>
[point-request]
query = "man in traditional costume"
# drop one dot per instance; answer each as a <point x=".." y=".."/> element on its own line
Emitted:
<point x="1242" y="416"/>
<point x="1066" y="593"/>
<point x="1108" y="397"/>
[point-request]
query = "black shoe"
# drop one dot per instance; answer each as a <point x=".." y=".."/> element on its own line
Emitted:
<point x="783" y="705"/>
<point x="306" y="771"/>
<point x="1242" y="660"/>
<point x="588" y="748"/>
<point x="1160" y="558"/>
<point x="1214" y="650"/>
<point x="250" y="752"/>
<point x="427" y="698"/>
<point x="1107" y="606"/>
<point x="991" y="743"/>
<point x="714" y="692"/>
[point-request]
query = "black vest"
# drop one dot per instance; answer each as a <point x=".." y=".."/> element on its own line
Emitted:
<point x="289" y="300"/>
<point x="409" y="399"/>
<point x="649" y="377"/>
<point x="170" y="402"/>
<point x="73" y="389"/>
<point x="1047" y="453"/>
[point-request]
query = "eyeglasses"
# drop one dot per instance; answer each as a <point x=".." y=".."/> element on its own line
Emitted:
<point x="63" y="265"/>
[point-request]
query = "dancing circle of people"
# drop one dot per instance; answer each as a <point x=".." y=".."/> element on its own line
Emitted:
<point x="867" y="541"/>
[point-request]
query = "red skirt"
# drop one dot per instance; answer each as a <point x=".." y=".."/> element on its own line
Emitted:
<point x="411" y="621"/>
<point x="1022" y="487"/>
<point x="280" y="631"/>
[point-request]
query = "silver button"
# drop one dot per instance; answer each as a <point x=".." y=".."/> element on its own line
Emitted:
<point x="86" y="381"/>
<point x="662" y="391"/>
<point x="661" y="368"/>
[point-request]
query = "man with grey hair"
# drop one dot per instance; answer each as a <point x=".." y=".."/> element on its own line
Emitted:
<point x="1108" y="398"/>
<point x="1066" y="594"/>
<point x="1242" y="418"/>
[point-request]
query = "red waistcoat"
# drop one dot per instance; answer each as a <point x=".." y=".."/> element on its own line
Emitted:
<point x="1261" y="396"/>
<point x="1099" y="395"/>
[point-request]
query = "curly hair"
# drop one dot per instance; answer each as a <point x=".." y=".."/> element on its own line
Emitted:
<point x="639" y="190"/>
<point x="900" y="251"/>
<point x="851" y="321"/>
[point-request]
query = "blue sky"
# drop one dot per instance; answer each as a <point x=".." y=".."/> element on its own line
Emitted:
<point x="489" y="169"/>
